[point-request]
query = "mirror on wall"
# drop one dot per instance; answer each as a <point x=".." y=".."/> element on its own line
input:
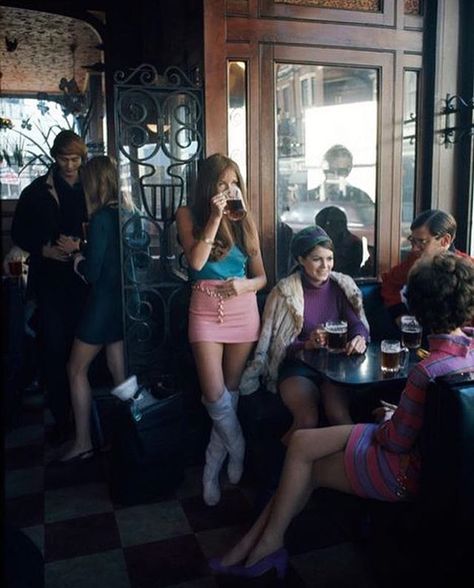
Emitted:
<point x="326" y="160"/>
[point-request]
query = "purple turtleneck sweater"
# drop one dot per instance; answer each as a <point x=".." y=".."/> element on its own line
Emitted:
<point x="327" y="303"/>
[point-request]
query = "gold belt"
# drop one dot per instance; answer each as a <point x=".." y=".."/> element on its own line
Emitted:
<point x="212" y="294"/>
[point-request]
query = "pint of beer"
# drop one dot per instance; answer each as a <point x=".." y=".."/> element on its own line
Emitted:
<point x="234" y="208"/>
<point x="411" y="331"/>
<point x="336" y="336"/>
<point x="392" y="355"/>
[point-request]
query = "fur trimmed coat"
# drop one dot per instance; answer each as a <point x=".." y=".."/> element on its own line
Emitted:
<point x="282" y="322"/>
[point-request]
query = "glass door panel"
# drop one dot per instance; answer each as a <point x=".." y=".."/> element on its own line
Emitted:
<point x="237" y="114"/>
<point x="410" y="113"/>
<point x="326" y="160"/>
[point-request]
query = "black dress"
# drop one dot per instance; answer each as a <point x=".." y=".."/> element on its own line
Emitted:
<point x="101" y="322"/>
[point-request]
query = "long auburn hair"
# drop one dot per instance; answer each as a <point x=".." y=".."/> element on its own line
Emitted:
<point x="242" y="233"/>
<point x="99" y="179"/>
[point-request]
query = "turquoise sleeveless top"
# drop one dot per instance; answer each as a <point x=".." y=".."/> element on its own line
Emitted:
<point x="232" y="266"/>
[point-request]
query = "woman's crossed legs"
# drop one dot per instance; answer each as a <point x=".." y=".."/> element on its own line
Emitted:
<point x="315" y="457"/>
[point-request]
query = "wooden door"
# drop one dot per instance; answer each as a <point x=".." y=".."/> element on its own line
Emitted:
<point x="328" y="55"/>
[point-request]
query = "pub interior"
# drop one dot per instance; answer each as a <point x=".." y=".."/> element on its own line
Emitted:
<point x="365" y="104"/>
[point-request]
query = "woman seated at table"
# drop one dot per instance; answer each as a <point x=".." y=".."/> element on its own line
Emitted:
<point x="379" y="461"/>
<point x="311" y="295"/>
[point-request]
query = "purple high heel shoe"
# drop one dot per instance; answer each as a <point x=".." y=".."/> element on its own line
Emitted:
<point x="233" y="570"/>
<point x="278" y="560"/>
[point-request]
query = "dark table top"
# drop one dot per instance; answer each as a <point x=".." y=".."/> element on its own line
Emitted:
<point x="355" y="370"/>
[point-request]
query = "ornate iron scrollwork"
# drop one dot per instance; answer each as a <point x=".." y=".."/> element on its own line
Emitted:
<point x="454" y="105"/>
<point x="158" y="121"/>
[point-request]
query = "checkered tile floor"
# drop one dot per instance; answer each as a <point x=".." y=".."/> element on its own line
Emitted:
<point x="88" y="541"/>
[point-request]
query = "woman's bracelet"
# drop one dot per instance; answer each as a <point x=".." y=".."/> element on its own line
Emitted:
<point x="207" y="241"/>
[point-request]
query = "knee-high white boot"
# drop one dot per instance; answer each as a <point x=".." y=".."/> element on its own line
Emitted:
<point x="228" y="429"/>
<point x="215" y="456"/>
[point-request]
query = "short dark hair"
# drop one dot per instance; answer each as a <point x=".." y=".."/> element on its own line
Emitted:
<point x="440" y="292"/>
<point x="337" y="151"/>
<point x="69" y="143"/>
<point x="437" y="222"/>
<point x="331" y="215"/>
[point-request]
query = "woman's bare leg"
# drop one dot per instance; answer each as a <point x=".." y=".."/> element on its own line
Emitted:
<point x="235" y="358"/>
<point x="314" y="456"/>
<point x="115" y="361"/>
<point x="208" y="358"/>
<point x="82" y="355"/>
<point x="240" y="551"/>
<point x="301" y="396"/>
<point x="336" y="404"/>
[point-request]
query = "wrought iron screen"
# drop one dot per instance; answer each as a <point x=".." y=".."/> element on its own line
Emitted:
<point x="159" y="141"/>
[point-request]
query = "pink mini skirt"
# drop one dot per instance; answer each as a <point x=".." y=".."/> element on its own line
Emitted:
<point x="222" y="320"/>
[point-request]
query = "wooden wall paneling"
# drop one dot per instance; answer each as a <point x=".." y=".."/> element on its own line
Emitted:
<point x="255" y="131"/>
<point x="215" y="76"/>
<point x="397" y="141"/>
<point x="444" y="183"/>
<point x="267" y="160"/>
<point x="310" y="34"/>
<point x="236" y="7"/>
<point x="244" y="7"/>
<point x="384" y="18"/>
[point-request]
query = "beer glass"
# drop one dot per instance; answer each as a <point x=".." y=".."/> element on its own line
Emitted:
<point x="411" y="332"/>
<point x="15" y="267"/>
<point x="392" y="356"/>
<point x="234" y="208"/>
<point x="336" y="336"/>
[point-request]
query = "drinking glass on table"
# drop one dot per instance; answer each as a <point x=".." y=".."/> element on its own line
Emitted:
<point x="336" y="336"/>
<point x="411" y="332"/>
<point x="392" y="355"/>
<point x="235" y="208"/>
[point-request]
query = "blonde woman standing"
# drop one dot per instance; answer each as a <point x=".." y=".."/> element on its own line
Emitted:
<point x="101" y="323"/>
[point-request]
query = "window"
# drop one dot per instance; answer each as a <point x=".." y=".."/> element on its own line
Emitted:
<point x="326" y="162"/>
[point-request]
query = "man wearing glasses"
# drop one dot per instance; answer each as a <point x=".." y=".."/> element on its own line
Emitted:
<point x="337" y="165"/>
<point x="431" y="231"/>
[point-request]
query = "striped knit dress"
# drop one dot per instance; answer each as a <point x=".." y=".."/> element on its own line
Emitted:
<point x="382" y="461"/>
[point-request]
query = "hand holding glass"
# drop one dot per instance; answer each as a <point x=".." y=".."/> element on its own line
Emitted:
<point x="319" y="336"/>
<point x="336" y="332"/>
<point x="235" y="208"/>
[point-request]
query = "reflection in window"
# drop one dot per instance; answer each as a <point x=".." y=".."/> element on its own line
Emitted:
<point x="408" y="156"/>
<point x="326" y="160"/>
<point x="237" y="114"/>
